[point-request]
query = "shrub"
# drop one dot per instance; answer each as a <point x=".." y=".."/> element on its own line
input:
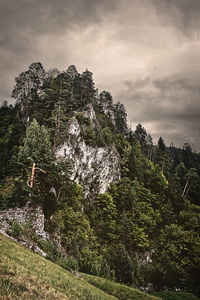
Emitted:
<point x="82" y="119"/>
<point x="21" y="231"/>
<point x="50" y="248"/>
<point x="68" y="263"/>
<point x="16" y="230"/>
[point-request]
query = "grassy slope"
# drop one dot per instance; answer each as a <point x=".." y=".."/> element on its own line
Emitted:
<point x="120" y="291"/>
<point x="26" y="275"/>
<point x="176" y="296"/>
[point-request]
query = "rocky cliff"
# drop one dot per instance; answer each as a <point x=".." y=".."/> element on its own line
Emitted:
<point x="93" y="167"/>
<point x="24" y="215"/>
<point x="56" y="99"/>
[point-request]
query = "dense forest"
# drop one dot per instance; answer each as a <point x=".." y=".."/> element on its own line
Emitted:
<point x="144" y="231"/>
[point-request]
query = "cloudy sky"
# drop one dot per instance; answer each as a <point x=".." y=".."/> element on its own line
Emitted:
<point x="146" y="53"/>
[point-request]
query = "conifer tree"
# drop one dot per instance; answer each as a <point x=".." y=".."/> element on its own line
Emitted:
<point x="27" y="88"/>
<point x="120" y="118"/>
<point x="49" y="176"/>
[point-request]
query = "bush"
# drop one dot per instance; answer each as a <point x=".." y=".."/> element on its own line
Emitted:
<point x="21" y="231"/>
<point x="6" y="190"/>
<point x="16" y="230"/>
<point x="50" y="248"/>
<point x="53" y="254"/>
<point x="92" y="262"/>
<point x="68" y="263"/>
<point x="82" y="119"/>
<point x="123" y="266"/>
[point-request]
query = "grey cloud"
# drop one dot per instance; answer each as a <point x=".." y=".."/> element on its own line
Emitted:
<point x="169" y="107"/>
<point x="178" y="133"/>
<point x="172" y="83"/>
<point x="174" y="88"/>
<point x="23" y="23"/>
<point x="144" y="44"/>
<point x="139" y="83"/>
<point x="52" y="16"/>
<point x="182" y="14"/>
<point x="186" y="7"/>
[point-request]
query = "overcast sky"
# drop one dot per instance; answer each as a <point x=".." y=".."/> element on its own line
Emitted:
<point x="146" y="53"/>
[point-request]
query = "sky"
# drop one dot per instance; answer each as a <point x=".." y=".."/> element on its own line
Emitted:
<point x="146" y="53"/>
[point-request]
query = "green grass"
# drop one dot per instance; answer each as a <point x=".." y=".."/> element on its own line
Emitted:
<point x="26" y="275"/>
<point x="120" y="291"/>
<point x="175" y="296"/>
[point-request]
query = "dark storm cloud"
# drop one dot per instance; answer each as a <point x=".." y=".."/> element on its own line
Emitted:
<point x="183" y="14"/>
<point x="23" y="23"/>
<point x="145" y="53"/>
<point x="173" y="83"/>
<point x="51" y="16"/>
<point x="171" y="104"/>
<point x="164" y="97"/>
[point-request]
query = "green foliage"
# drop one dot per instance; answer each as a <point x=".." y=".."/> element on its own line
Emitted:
<point x="88" y="87"/>
<point x="57" y="96"/>
<point x="123" y="265"/>
<point x="12" y="132"/>
<point x="68" y="262"/>
<point x="176" y="258"/>
<point x="76" y="232"/>
<point x="50" y="249"/>
<point x="37" y="146"/>
<point x="21" y="231"/>
<point x="36" y="149"/>
<point x="107" y="136"/>
<point x="6" y="190"/>
<point x="26" y="90"/>
<point x="26" y="275"/>
<point x="120" y="118"/>
<point x="95" y="136"/>
<point x="95" y="262"/>
<point x="82" y="119"/>
<point x="144" y="139"/>
<point x="49" y="176"/>
<point x="155" y="180"/>
<point x="16" y="230"/>
<point x="106" y="104"/>
<point x="119" y="291"/>
<point x="105" y="217"/>
<point x="151" y="212"/>
<point x="137" y="220"/>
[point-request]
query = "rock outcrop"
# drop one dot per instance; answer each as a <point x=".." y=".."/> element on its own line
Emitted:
<point x="24" y="215"/>
<point x="93" y="167"/>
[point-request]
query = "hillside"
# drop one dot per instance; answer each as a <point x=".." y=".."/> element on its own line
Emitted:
<point x="26" y="275"/>
<point x="95" y="195"/>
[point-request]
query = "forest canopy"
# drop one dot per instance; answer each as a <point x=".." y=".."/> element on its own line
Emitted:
<point x="144" y="231"/>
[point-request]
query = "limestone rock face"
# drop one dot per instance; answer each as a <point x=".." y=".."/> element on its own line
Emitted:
<point x="94" y="168"/>
<point x="24" y="215"/>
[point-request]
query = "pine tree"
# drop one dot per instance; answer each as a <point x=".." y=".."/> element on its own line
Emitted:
<point x="27" y="88"/>
<point x="120" y="118"/>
